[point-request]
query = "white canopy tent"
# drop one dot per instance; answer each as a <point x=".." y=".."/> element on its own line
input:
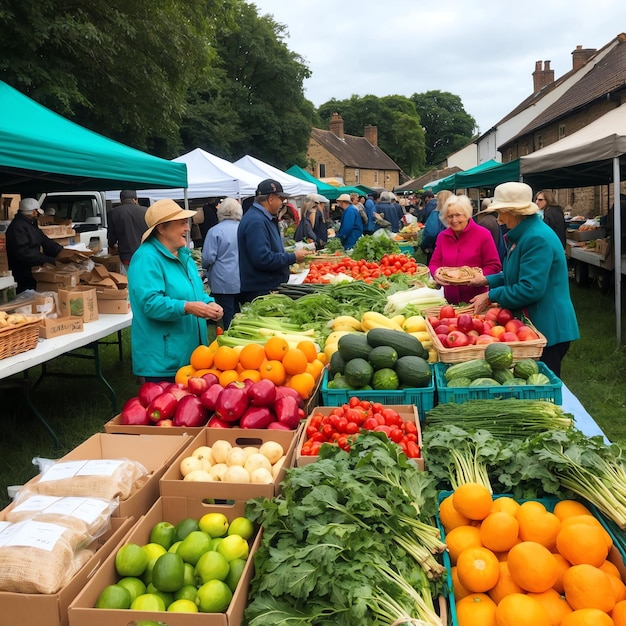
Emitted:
<point x="291" y="185"/>
<point x="208" y="176"/>
<point x="594" y="155"/>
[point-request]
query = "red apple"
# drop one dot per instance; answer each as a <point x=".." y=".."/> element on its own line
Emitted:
<point x="465" y="323"/>
<point x="527" y="334"/>
<point x="434" y="321"/>
<point x="211" y="379"/>
<point x="478" y="325"/>
<point x="179" y="392"/>
<point x="442" y="338"/>
<point x="504" y="316"/>
<point x="509" y="337"/>
<point x="456" y="339"/>
<point x="492" y="314"/>
<point x="447" y="311"/>
<point x="443" y="329"/>
<point x="512" y="326"/>
<point x="485" y="339"/>
<point x="487" y="326"/>
<point x="197" y="385"/>
<point x="216" y="422"/>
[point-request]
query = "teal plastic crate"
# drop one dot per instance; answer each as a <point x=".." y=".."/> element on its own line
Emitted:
<point x="423" y="398"/>
<point x="407" y="248"/>
<point x="617" y="534"/>
<point x="551" y="392"/>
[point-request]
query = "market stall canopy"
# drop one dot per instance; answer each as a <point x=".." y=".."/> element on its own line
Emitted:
<point x="468" y="178"/>
<point x="41" y="151"/>
<point x="292" y="185"/>
<point x="491" y="176"/>
<point x="209" y="177"/>
<point x="326" y="190"/>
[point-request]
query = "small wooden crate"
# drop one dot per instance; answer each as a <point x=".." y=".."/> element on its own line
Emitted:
<point x="19" y="339"/>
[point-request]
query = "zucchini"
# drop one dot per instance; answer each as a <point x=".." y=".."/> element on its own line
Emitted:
<point x="403" y="343"/>
<point x="476" y="368"/>
<point x="383" y="356"/>
<point x="358" y="372"/>
<point x="502" y="376"/>
<point x="353" y="346"/>
<point x="525" y="368"/>
<point x="413" y="371"/>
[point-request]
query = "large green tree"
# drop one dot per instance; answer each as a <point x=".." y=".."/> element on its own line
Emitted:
<point x="446" y="124"/>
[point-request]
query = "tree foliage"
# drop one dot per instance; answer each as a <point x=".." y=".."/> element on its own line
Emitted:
<point x="446" y="124"/>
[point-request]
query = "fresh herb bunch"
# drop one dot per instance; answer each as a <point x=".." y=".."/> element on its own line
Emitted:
<point x="373" y="248"/>
<point x="333" y="245"/>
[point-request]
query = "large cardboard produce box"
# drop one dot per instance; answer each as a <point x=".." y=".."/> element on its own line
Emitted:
<point x="115" y="426"/>
<point x="172" y="483"/>
<point x="32" y="609"/>
<point x="154" y="453"/>
<point x="173" y="510"/>
<point x="80" y="301"/>
<point x="60" y="326"/>
<point x="53" y="278"/>
<point x="406" y="412"/>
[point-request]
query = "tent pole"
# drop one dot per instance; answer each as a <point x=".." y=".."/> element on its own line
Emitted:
<point x="617" y="247"/>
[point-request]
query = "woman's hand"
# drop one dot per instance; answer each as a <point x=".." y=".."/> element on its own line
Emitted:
<point x="481" y="302"/>
<point x="478" y="281"/>
<point x="208" y="311"/>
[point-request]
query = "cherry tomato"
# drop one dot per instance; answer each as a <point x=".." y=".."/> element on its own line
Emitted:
<point x="342" y="423"/>
<point x="354" y="401"/>
<point x="396" y="435"/>
<point x="412" y="450"/>
<point x="352" y="428"/>
<point x="310" y="430"/>
<point x="370" y="423"/>
<point x="327" y="431"/>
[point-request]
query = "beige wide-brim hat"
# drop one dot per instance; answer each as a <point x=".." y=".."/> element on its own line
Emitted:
<point x="162" y="211"/>
<point x="513" y="198"/>
<point x="344" y="197"/>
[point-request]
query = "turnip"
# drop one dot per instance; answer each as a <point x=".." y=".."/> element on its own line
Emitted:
<point x="248" y="450"/>
<point x="217" y="471"/>
<point x="221" y="449"/>
<point x="198" y="476"/>
<point x="257" y="460"/>
<point x="261" y="476"/>
<point x="236" y="474"/>
<point x="190" y="464"/>
<point x="236" y="457"/>
<point x="272" y="450"/>
<point x="278" y="466"/>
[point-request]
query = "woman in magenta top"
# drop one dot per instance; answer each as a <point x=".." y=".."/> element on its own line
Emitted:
<point x="462" y="243"/>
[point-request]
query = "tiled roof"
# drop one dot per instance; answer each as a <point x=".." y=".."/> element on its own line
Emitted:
<point x="354" y="151"/>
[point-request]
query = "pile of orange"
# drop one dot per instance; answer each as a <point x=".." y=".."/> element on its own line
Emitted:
<point x="297" y="367"/>
<point x="521" y="565"/>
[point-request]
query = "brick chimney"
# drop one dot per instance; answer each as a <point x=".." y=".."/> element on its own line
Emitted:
<point x="580" y="56"/>
<point x="542" y="77"/>
<point x="335" y="125"/>
<point x="371" y="134"/>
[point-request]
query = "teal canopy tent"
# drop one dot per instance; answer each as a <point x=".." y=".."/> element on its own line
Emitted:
<point x="490" y="176"/>
<point x="326" y="190"/>
<point x="42" y="151"/>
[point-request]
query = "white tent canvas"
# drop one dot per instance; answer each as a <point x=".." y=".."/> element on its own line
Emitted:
<point x="291" y="185"/>
<point x="208" y="176"/>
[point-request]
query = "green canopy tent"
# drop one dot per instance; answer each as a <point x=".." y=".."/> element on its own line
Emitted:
<point x="328" y="191"/>
<point x="490" y="176"/>
<point x="41" y="151"/>
<point x="451" y="182"/>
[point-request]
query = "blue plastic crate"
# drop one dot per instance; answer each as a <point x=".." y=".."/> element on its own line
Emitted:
<point x="407" y="248"/>
<point x="551" y="392"/>
<point x="423" y="398"/>
<point x="617" y="534"/>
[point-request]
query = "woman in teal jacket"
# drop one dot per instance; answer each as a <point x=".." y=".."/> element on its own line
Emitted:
<point x="167" y="297"/>
<point x="534" y="277"/>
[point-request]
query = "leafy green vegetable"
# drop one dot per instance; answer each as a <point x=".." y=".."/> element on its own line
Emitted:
<point x="373" y="248"/>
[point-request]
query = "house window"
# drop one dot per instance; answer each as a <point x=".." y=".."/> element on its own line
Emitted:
<point x="357" y="176"/>
<point x="561" y="131"/>
<point x="376" y="176"/>
<point x="525" y="149"/>
<point x="539" y="142"/>
<point x="322" y="170"/>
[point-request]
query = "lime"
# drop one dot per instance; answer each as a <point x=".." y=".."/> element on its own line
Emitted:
<point x="241" y="526"/>
<point x="215" y="524"/>
<point x="189" y="574"/>
<point x="193" y="546"/>
<point x="186" y="592"/>
<point x="153" y="551"/>
<point x="168" y="572"/>
<point x="214" y="597"/>
<point x="174" y="547"/>
<point x="211" y="566"/>
<point x="183" y="606"/>
<point x="167" y="598"/>
<point x="131" y="560"/>
<point x="148" y="602"/>
<point x="114" y="597"/>
<point x="134" y="585"/>
<point x="184" y="527"/>
<point x="234" y="547"/>
<point x="234" y="574"/>
<point x="163" y="534"/>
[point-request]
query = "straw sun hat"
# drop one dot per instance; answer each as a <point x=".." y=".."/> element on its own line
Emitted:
<point x="164" y="211"/>
<point x="513" y="198"/>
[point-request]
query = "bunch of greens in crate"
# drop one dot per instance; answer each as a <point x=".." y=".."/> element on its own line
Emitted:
<point x="373" y="248"/>
<point x="349" y="541"/>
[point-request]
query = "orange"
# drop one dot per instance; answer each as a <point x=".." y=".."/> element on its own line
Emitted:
<point x="184" y="374"/>
<point x="587" y="587"/>
<point x="252" y="356"/>
<point x="449" y="516"/>
<point x="202" y="357"/>
<point x="499" y="531"/>
<point x="518" y="609"/>
<point x="556" y="605"/>
<point x="274" y="371"/>
<point x="562" y="565"/>
<point x="315" y="368"/>
<point x="295" y="361"/>
<point x="253" y="375"/>
<point x="505" y="505"/>
<point x="228" y="376"/>
<point x="478" y="569"/>
<point x="226" y="358"/>
<point x="322" y="358"/>
<point x="531" y="506"/>
<point x="619" y="589"/>
<point x="538" y="526"/>
<point x="567" y="508"/>
<point x="303" y="383"/>
<point x="588" y="617"/>
<point x="276" y="348"/>
<point x="476" y="609"/>
<point x="582" y="543"/>
<point x="608" y="568"/>
<point x="619" y="613"/>
<point x="532" y="566"/>
<point x="589" y="520"/>
<point x="472" y="500"/>
<point x="460" y="538"/>
<point x="459" y="590"/>
<point x="505" y="585"/>
<point x="309" y="348"/>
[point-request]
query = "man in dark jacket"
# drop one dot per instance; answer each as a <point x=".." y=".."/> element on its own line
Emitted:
<point x="429" y="204"/>
<point x="27" y="245"/>
<point x="126" y="225"/>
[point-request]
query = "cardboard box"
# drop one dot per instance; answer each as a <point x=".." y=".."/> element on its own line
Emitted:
<point x="111" y="261"/>
<point x="115" y="307"/>
<point x="4" y="261"/>
<point x="155" y="453"/>
<point x="115" y="426"/>
<point x="61" y="277"/>
<point x="173" y="510"/>
<point x="587" y="235"/>
<point x="34" y="609"/>
<point x="81" y="301"/>
<point x="60" y="326"/>
<point x="172" y="483"/>
<point x="406" y="412"/>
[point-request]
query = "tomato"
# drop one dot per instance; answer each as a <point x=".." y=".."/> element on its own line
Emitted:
<point x="447" y="311"/>
<point x="492" y="314"/>
<point x="391" y="417"/>
<point x="352" y="428"/>
<point x="370" y="423"/>
<point x="316" y="420"/>
<point x="410" y="437"/>
<point x="383" y="428"/>
<point x="354" y="401"/>
<point x="343" y="442"/>
<point x="377" y="407"/>
<point x="315" y="448"/>
<point x="365" y="404"/>
<point x="317" y="437"/>
<point x="409" y="427"/>
<point x="342" y="423"/>
<point x="412" y="450"/>
<point x="327" y="431"/>
<point x="504" y="316"/>
<point x="310" y="430"/>
<point x="396" y="435"/>
<point x="456" y="339"/>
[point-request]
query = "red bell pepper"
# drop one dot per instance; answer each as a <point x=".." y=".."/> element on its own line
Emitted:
<point x="282" y="390"/>
<point x="256" y="417"/>
<point x="163" y="407"/>
<point x="232" y="403"/>
<point x="216" y="422"/>
<point x="210" y="396"/>
<point x="286" y="409"/>
<point x="262" y="393"/>
<point x="148" y="392"/>
<point x="278" y="426"/>
<point x="134" y="413"/>
<point x="190" y="412"/>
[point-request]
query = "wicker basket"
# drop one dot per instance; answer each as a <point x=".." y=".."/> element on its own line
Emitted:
<point x="19" y="339"/>
<point x="333" y="259"/>
<point x="434" y="311"/>
<point x="521" y="349"/>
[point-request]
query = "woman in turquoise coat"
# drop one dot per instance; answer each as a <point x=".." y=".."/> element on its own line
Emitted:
<point x="534" y="277"/>
<point x="170" y="307"/>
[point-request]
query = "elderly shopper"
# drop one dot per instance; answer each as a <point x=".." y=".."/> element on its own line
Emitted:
<point x="462" y="243"/>
<point x="167" y="297"/>
<point x="390" y="211"/>
<point x="534" y="279"/>
<point x="220" y="258"/>
<point x="433" y="225"/>
<point x="351" y="223"/>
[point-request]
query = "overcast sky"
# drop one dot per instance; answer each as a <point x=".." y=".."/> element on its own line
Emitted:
<point x="483" y="51"/>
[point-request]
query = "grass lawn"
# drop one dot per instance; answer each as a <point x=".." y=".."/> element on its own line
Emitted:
<point x="77" y="408"/>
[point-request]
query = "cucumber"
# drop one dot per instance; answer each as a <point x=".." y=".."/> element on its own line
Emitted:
<point x="525" y="368"/>
<point x="499" y="356"/>
<point x="502" y="376"/>
<point x="484" y="382"/>
<point x="476" y="368"/>
<point x="358" y="372"/>
<point x="461" y="381"/>
<point x="403" y="343"/>
<point x="383" y="356"/>
<point x="353" y="346"/>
